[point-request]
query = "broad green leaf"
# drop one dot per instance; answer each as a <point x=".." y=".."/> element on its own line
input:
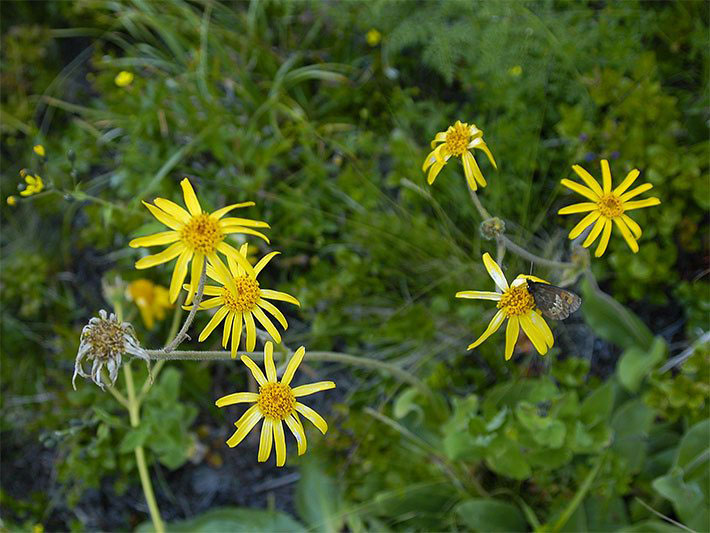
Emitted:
<point x="631" y="423"/>
<point x="636" y="363"/>
<point x="598" y="405"/>
<point x="232" y="519"/>
<point x="489" y="515"/>
<point x="504" y="457"/>
<point x="694" y="451"/>
<point x="688" y="499"/>
<point x="134" y="438"/>
<point x="612" y="321"/>
<point x="426" y="497"/>
<point x="318" y="500"/>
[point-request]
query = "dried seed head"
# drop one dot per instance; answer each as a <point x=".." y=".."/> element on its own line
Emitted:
<point x="104" y="340"/>
<point x="492" y="228"/>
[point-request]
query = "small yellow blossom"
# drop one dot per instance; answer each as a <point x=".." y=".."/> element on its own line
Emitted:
<point x="12" y="200"/>
<point x="515" y="71"/>
<point x="124" y="78"/>
<point x="194" y="236"/>
<point x="607" y="206"/>
<point x="33" y="184"/>
<point x="39" y="150"/>
<point x="373" y="37"/>
<point x="457" y="141"/>
<point x="152" y="300"/>
<point x="240" y="299"/>
<point x="517" y="305"/>
<point x="276" y="403"/>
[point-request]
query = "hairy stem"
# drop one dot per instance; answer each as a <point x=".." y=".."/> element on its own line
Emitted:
<point x="134" y="415"/>
<point x="182" y="334"/>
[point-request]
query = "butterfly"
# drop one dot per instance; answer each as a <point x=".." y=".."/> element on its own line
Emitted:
<point x="554" y="302"/>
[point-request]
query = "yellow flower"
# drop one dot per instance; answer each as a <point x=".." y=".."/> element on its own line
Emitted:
<point x="33" y="184"/>
<point x="194" y="235"/>
<point x="515" y="71"/>
<point x="607" y="206"/>
<point x="39" y="150"/>
<point x="123" y="78"/>
<point x="240" y="299"/>
<point x="457" y="141"/>
<point x="373" y="37"/>
<point x="517" y="305"/>
<point x="152" y="300"/>
<point x="12" y="201"/>
<point x="276" y="402"/>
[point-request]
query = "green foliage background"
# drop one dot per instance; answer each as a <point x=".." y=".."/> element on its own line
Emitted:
<point x="286" y="104"/>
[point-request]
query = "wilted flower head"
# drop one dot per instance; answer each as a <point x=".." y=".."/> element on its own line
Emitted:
<point x="104" y="340"/>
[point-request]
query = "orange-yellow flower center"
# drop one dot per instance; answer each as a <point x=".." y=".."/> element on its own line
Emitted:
<point x="457" y="138"/>
<point x="516" y="301"/>
<point x="248" y="294"/>
<point x="611" y="206"/>
<point x="276" y="400"/>
<point x="202" y="234"/>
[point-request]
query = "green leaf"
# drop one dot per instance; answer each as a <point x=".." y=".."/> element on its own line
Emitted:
<point x="687" y="498"/>
<point x="544" y="429"/>
<point x="612" y="321"/>
<point x="631" y="424"/>
<point x="408" y="402"/>
<point x="636" y="363"/>
<point x="489" y="515"/>
<point x="134" y="438"/>
<point x="504" y="457"/>
<point x="318" y="500"/>
<point x="598" y="405"/>
<point x="693" y="451"/>
<point x="426" y="497"/>
<point x="232" y="519"/>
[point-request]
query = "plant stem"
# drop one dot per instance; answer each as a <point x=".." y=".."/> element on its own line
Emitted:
<point x="479" y="206"/>
<point x="182" y="334"/>
<point x="134" y="415"/>
<point x="580" y="495"/>
<point x="332" y="357"/>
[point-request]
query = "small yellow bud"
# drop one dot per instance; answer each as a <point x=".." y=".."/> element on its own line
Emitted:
<point x="124" y="78"/>
<point x="12" y="200"/>
<point x="39" y="150"/>
<point x="373" y="37"/>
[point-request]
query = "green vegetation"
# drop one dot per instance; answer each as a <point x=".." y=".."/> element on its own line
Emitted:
<point x="287" y="104"/>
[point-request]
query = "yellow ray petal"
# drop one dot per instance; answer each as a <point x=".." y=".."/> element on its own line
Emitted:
<point x="249" y="223"/>
<point x="584" y="224"/>
<point x="606" y="176"/>
<point x="164" y="237"/>
<point x="580" y="189"/>
<point x="588" y="179"/>
<point x="535" y="335"/>
<point x="223" y="211"/>
<point x="227" y="329"/>
<point x="434" y="171"/>
<point x="198" y="261"/>
<point x="251" y="331"/>
<point x="471" y="170"/>
<point x="280" y="442"/>
<point x="213" y="323"/>
<point x="236" y="333"/>
<point x="245" y="427"/>
<point x="312" y="388"/>
<point x="292" y="366"/>
<point x="255" y="370"/>
<point x="227" y="230"/>
<point x="633" y="226"/>
<point x="179" y="273"/>
<point x="281" y="296"/>
<point x="163" y="217"/>
<point x="271" y="308"/>
<point x="228" y="250"/>
<point x="493" y="326"/>
<point x="596" y="230"/>
<point x="495" y="272"/>
<point x="648" y="202"/>
<point x="171" y="252"/>
<point x="264" y="261"/>
<point x="511" y="336"/>
<point x="628" y="181"/>
<point x="479" y="295"/>
<point x="626" y="233"/>
<point x="314" y="417"/>
<point x="269" y="362"/>
<point x="604" y="241"/>
<point x="174" y="210"/>
<point x="635" y="192"/>
<point x="267" y="323"/>
<point x="481" y="145"/>
<point x="193" y="205"/>
<point x="582" y="207"/>
<point x="266" y="439"/>
<point x="542" y="326"/>
<point x="237" y="397"/>
<point x="297" y="430"/>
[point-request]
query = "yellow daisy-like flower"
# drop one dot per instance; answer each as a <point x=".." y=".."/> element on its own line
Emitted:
<point x="33" y="184"/>
<point x="373" y="37"/>
<point x="194" y="235"/>
<point x="276" y="402"/>
<point x="240" y="299"/>
<point x="517" y="305"/>
<point x="152" y="300"/>
<point x="607" y="206"/>
<point x="457" y="141"/>
<point x="123" y="78"/>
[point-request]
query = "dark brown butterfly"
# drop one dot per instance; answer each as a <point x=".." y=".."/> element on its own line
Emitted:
<point x="554" y="302"/>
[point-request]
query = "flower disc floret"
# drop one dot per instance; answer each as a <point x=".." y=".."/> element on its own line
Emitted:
<point x="202" y="234"/>
<point x="246" y="297"/>
<point x="516" y="301"/>
<point x="457" y="138"/>
<point x="276" y="400"/>
<point x="610" y="206"/>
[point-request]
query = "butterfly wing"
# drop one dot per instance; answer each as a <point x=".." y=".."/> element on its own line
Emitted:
<point x="554" y="302"/>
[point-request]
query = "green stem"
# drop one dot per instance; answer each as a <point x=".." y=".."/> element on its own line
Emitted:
<point x="134" y="415"/>
<point x="332" y="357"/>
<point x="579" y="497"/>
